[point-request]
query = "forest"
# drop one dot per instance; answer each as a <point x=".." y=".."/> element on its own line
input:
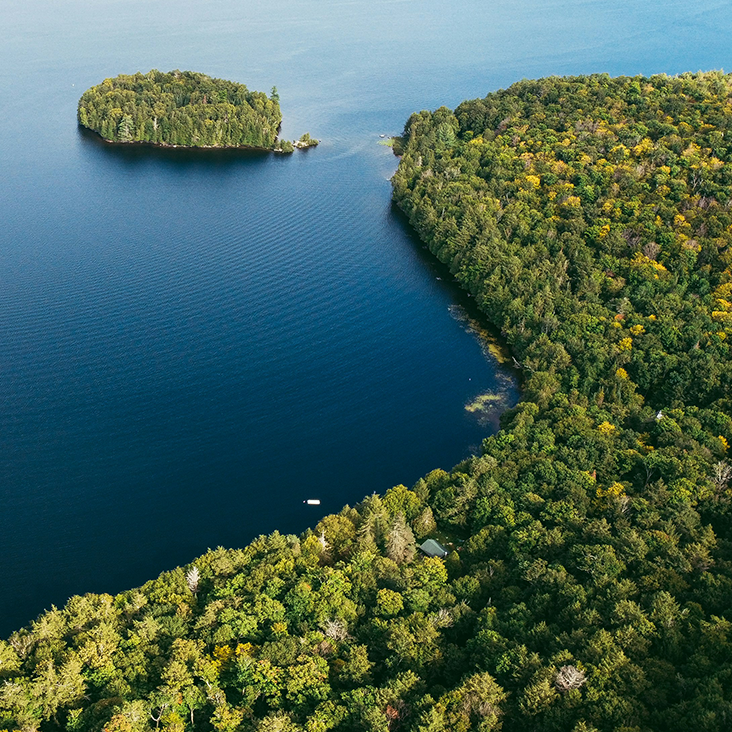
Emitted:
<point x="181" y="108"/>
<point x="590" y="577"/>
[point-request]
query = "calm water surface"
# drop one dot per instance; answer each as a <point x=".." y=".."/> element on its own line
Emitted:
<point x="193" y="343"/>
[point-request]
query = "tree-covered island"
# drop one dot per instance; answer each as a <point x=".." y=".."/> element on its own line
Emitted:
<point x="589" y="586"/>
<point x="182" y="109"/>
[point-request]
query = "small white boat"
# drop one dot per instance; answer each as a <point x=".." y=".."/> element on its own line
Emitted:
<point x="312" y="502"/>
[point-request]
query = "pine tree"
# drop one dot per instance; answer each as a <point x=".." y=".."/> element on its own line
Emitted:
<point x="125" y="129"/>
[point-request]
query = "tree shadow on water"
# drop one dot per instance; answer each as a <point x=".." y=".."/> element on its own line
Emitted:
<point x="142" y="153"/>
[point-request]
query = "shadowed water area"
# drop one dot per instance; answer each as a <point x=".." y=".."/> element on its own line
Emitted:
<point x="194" y="342"/>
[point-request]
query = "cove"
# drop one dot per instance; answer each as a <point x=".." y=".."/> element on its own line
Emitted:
<point x="194" y="342"/>
<point x="209" y="346"/>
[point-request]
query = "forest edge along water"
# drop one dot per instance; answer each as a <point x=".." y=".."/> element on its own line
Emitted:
<point x="176" y="318"/>
<point x="168" y="345"/>
<point x="590" y="521"/>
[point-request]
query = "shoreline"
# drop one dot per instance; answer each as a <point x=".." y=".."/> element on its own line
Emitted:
<point x="167" y="145"/>
<point x="296" y="144"/>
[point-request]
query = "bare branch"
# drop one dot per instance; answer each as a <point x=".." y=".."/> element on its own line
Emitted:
<point x="193" y="577"/>
<point x="569" y="677"/>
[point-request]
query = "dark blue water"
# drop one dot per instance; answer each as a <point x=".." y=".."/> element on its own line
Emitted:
<point x="193" y="343"/>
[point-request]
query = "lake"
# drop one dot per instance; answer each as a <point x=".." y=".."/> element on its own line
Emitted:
<point x="192" y="343"/>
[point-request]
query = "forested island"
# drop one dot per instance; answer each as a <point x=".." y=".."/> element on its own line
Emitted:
<point x="183" y="109"/>
<point x="590" y="577"/>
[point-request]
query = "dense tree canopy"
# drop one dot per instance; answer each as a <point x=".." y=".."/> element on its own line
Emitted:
<point x="590" y="584"/>
<point x="592" y="220"/>
<point x="180" y="108"/>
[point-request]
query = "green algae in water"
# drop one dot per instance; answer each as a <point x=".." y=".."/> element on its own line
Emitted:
<point x="490" y="344"/>
<point x="485" y="402"/>
<point x="488" y="406"/>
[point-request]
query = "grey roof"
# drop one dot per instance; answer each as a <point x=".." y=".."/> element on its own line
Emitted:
<point x="433" y="548"/>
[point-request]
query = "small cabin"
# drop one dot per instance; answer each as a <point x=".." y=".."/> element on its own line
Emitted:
<point x="433" y="548"/>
